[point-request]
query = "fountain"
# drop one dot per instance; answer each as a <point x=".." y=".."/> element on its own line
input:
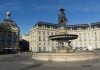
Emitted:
<point x="62" y="35"/>
<point x="62" y="52"/>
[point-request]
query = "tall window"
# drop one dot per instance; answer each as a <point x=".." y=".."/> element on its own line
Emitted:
<point x="84" y="38"/>
<point x="95" y="38"/>
<point x="48" y="33"/>
<point x="95" y="33"/>
<point x="43" y="33"/>
<point x="43" y="38"/>
<point x="39" y="32"/>
<point x="39" y="38"/>
<point x="39" y="43"/>
<point x="52" y="33"/>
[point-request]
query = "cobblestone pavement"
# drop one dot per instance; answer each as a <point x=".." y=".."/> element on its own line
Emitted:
<point x="24" y="61"/>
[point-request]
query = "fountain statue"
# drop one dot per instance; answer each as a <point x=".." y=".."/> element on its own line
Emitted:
<point x="62" y="52"/>
<point x="62" y="35"/>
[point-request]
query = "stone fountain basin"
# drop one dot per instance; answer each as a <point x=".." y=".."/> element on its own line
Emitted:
<point x="81" y="56"/>
<point x="63" y="37"/>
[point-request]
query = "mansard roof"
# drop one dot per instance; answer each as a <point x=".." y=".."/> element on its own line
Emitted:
<point x="96" y="24"/>
<point x="46" y="23"/>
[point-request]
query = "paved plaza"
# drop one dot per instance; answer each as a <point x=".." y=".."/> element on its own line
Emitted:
<point x="24" y="61"/>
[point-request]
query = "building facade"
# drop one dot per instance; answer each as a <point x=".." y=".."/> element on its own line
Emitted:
<point x="9" y="34"/>
<point x="38" y="37"/>
<point x="88" y="36"/>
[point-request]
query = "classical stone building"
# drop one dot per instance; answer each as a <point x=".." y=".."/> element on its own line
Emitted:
<point x="38" y="37"/>
<point x="88" y="36"/>
<point x="9" y="34"/>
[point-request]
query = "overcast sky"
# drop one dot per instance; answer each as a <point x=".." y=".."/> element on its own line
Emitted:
<point x="26" y="13"/>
